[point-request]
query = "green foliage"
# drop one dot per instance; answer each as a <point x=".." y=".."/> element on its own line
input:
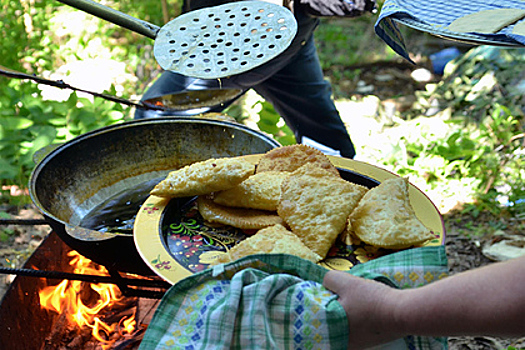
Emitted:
<point x="344" y="42"/>
<point x="25" y="40"/>
<point x="485" y="144"/>
<point x="39" y="39"/>
<point x="479" y="80"/>
<point x="5" y="233"/>
<point x="271" y="123"/>
<point x="11" y="25"/>
<point x="28" y="123"/>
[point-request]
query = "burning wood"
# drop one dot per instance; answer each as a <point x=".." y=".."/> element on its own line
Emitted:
<point x="88" y="312"/>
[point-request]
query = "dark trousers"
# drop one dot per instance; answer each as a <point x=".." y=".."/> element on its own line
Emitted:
<point x="293" y="84"/>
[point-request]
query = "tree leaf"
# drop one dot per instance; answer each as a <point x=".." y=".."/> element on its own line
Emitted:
<point x="15" y="123"/>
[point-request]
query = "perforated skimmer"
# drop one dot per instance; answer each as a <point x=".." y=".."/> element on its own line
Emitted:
<point x="224" y="40"/>
<point x="213" y="42"/>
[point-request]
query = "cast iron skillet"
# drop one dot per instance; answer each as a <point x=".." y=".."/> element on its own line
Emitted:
<point x="80" y="176"/>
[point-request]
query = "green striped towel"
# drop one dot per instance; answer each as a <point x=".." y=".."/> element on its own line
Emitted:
<point x="278" y="302"/>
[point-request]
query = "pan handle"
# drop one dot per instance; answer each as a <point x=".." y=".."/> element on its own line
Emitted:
<point x="114" y="16"/>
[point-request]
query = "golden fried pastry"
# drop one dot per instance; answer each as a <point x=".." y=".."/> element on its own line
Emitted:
<point x="486" y="21"/>
<point x="259" y="191"/>
<point x="348" y="236"/>
<point x="204" y="177"/>
<point x="242" y="218"/>
<point x="275" y="239"/>
<point x="315" y="205"/>
<point x="291" y="158"/>
<point x="385" y="218"/>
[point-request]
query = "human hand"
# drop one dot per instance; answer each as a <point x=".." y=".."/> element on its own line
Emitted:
<point x="370" y="308"/>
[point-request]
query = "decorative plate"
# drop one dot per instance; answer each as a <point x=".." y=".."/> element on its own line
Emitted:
<point x="175" y="241"/>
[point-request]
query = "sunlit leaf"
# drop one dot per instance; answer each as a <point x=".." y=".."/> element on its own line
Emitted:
<point x="15" y="123"/>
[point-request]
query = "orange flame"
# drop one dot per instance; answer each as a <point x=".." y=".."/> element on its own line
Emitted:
<point x="66" y="298"/>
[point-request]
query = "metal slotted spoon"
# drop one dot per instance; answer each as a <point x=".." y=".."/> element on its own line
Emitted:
<point x="213" y="42"/>
<point x="225" y="40"/>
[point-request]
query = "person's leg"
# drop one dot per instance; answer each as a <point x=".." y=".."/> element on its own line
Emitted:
<point x="301" y="95"/>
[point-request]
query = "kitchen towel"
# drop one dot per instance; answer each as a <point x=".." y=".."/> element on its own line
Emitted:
<point x="278" y="302"/>
<point x="434" y="16"/>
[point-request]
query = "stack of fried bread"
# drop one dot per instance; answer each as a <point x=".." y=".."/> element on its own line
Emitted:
<point x="297" y="202"/>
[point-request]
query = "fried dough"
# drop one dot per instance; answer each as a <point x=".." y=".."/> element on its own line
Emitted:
<point x="315" y="205"/>
<point x="486" y="21"/>
<point x="385" y="218"/>
<point x="245" y="219"/>
<point x="275" y="239"/>
<point x="259" y="191"/>
<point x="291" y="158"/>
<point x="204" y="177"/>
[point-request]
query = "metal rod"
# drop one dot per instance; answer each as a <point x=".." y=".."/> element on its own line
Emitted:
<point x="116" y="17"/>
<point x="84" y="278"/>
<point x="23" y="222"/>
<point x="62" y="85"/>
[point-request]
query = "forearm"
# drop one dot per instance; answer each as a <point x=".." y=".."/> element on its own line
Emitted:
<point x="485" y="301"/>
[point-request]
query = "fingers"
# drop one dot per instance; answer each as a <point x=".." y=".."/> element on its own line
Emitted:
<point x="348" y="286"/>
<point x="331" y="281"/>
<point x="338" y="281"/>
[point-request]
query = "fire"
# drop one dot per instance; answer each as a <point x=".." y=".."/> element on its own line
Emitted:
<point x="66" y="298"/>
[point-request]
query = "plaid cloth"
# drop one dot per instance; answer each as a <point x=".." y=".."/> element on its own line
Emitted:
<point x="434" y="16"/>
<point x="278" y="302"/>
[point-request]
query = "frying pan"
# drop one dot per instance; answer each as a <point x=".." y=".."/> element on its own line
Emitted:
<point x="212" y="42"/>
<point x="112" y="169"/>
